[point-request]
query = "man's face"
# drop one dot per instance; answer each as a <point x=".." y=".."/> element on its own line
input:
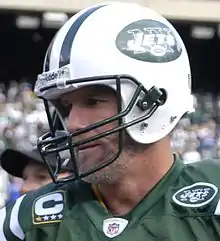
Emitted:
<point x="87" y="106"/>
<point x="35" y="175"/>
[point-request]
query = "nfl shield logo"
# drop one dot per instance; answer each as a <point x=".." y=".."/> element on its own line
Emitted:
<point x="113" y="229"/>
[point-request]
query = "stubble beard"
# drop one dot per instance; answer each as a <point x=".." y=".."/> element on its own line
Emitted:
<point x="112" y="173"/>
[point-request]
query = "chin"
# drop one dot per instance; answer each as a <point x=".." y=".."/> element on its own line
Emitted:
<point x="106" y="175"/>
<point x="88" y="160"/>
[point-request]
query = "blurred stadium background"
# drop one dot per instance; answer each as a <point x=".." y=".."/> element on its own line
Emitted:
<point x="27" y="26"/>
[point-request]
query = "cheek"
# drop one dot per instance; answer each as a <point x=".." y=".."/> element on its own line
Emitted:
<point x="29" y="186"/>
<point x="45" y="181"/>
<point x="100" y="114"/>
<point x="108" y="127"/>
<point x="103" y="112"/>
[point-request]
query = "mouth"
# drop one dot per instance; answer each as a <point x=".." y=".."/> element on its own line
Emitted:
<point x="86" y="146"/>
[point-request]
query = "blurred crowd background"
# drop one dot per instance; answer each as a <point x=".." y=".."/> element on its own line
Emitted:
<point x="22" y="116"/>
<point x="25" y="37"/>
<point x="197" y="136"/>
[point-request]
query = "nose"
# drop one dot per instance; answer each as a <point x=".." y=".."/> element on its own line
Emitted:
<point x="77" y="119"/>
<point x="28" y="186"/>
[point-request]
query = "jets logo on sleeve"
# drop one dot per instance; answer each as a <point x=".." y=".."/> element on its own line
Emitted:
<point x="48" y="208"/>
<point x="196" y="195"/>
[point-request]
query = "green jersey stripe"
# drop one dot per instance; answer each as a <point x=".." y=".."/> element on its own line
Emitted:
<point x="15" y="226"/>
<point x="2" y="220"/>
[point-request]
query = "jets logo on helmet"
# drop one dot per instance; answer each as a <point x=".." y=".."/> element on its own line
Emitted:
<point x="155" y="43"/>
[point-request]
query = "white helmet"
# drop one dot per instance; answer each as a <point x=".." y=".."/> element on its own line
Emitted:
<point x="128" y="45"/>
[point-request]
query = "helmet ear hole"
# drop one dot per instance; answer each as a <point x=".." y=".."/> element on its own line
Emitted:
<point x="163" y="97"/>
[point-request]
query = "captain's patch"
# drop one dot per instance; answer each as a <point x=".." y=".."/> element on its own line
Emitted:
<point x="48" y="208"/>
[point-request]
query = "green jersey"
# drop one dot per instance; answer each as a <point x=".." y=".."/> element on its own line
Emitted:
<point x="183" y="206"/>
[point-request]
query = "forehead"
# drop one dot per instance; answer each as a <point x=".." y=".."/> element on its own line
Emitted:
<point x="34" y="168"/>
<point x="91" y="90"/>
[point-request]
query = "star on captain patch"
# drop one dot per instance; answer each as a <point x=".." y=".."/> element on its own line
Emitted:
<point x="48" y="208"/>
<point x="38" y="219"/>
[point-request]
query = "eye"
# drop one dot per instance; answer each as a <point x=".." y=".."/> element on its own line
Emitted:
<point x="42" y="177"/>
<point x="92" y="102"/>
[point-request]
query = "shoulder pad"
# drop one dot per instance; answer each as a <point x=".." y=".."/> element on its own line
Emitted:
<point x="10" y="226"/>
<point x="198" y="188"/>
<point x="207" y="171"/>
<point x="42" y="206"/>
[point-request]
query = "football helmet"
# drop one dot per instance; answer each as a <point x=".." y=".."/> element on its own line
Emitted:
<point x="128" y="48"/>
